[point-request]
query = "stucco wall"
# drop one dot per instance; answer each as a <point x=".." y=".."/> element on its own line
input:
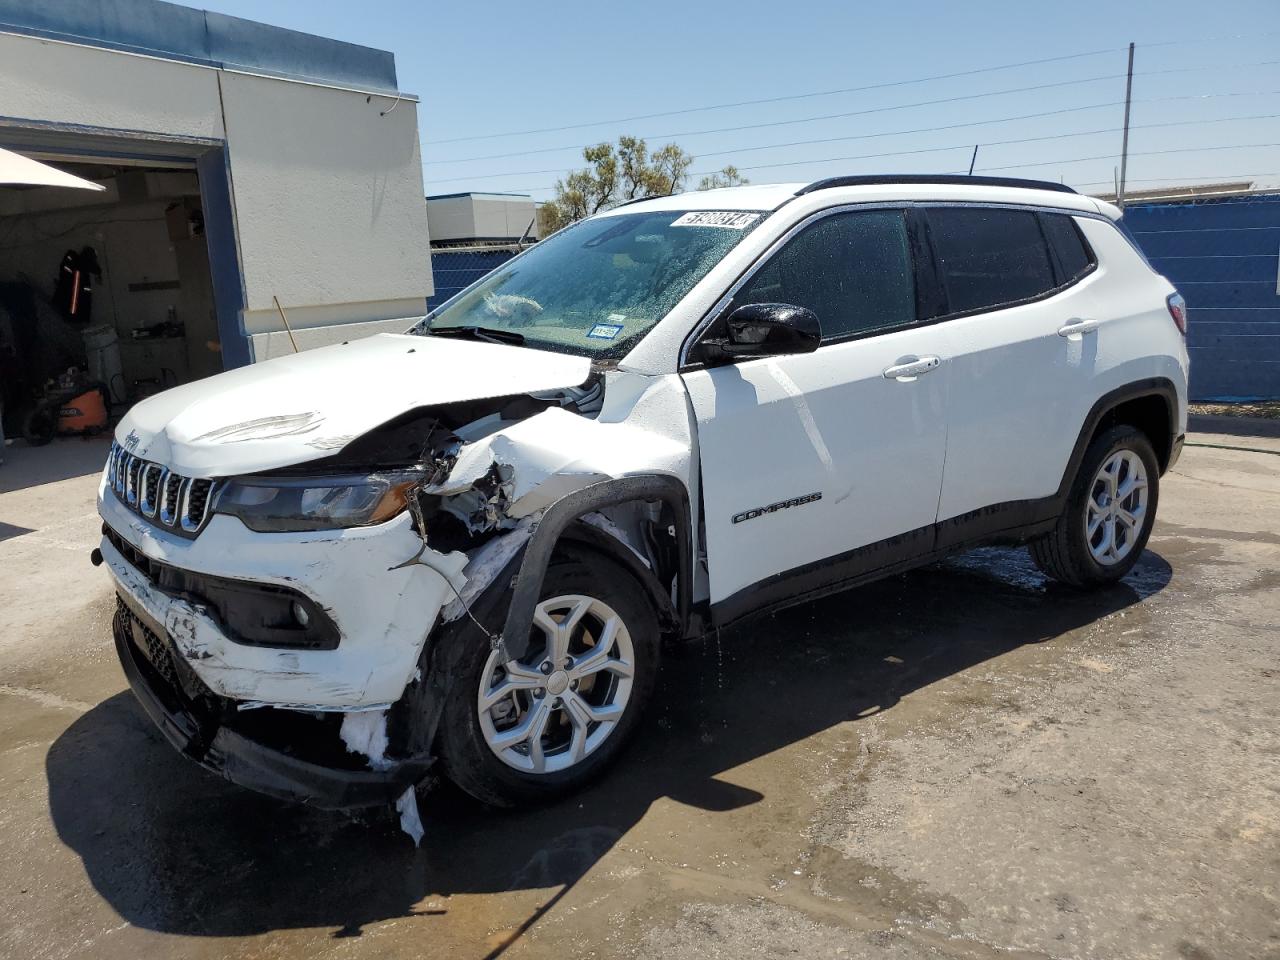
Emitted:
<point x="328" y="200"/>
<point x="328" y="206"/>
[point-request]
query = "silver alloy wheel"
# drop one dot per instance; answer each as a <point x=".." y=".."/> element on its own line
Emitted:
<point x="555" y="707"/>
<point x="1116" y="508"/>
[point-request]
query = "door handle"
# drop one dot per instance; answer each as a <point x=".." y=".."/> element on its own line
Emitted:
<point x="1077" y="327"/>
<point x="911" y="367"/>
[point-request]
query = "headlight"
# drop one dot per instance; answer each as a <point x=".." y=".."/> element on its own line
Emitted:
<point x="278" y="504"/>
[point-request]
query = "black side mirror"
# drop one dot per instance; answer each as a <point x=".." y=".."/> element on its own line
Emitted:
<point x="764" y="330"/>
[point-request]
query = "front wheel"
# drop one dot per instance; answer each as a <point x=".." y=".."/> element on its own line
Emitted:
<point x="531" y="730"/>
<point x="1109" y="512"/>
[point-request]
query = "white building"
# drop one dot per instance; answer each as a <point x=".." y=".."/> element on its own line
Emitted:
<point x="479" y="219"/>
<point x="243" y="163"/>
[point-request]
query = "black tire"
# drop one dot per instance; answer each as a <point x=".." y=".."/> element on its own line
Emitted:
<point x="40" y="426"/>
<point x="1063" y="554"/>
<point x="468" y="760"/>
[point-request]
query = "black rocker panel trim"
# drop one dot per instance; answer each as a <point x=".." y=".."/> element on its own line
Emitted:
<point x="1009" y="522"/>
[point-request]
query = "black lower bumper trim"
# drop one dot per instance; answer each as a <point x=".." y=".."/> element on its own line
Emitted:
<point x="254" y="765"/>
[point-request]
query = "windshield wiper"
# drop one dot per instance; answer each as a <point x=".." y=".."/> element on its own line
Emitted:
<point x="491" y="334"/>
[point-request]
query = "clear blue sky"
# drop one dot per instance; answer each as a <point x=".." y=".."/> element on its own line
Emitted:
<point x="501" y="66"/>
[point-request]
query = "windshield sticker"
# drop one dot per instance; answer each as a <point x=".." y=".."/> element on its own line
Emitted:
<point x="605" y="331"/>
<point x="717" y="218"/>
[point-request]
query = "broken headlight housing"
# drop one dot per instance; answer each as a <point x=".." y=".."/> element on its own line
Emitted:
<point x="293" y="504"/>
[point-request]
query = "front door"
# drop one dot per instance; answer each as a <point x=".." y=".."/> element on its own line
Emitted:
<point x="819" y="467"/>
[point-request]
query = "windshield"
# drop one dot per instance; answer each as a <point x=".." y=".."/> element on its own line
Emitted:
<point x="597" y="287"/>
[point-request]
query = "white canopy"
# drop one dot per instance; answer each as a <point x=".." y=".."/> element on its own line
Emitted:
<point x="15" y="168"/>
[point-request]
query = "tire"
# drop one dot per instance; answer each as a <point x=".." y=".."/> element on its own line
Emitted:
<point x="40" y="426"/>
<point x="1069" y="553"/>
<point x="508" y="777"/>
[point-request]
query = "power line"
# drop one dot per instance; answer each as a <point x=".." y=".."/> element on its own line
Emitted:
<point x="1111" y="156"/>
<point x="922" y="150"/>
<point x="826" y="93"/>
<point x="794" y="96"/>
<point x="857" y="113"/>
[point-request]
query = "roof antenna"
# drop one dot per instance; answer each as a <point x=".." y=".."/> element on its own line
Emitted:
<point x="285" y="321"/>
<point x="973" y="159"/>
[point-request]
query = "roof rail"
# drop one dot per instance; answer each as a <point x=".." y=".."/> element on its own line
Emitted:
<point x="933" y="178"/>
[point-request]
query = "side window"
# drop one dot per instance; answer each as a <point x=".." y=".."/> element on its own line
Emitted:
<point x="989" y="257"/>
<point x="853" y="270"/>
<point x="1074" y="256"/>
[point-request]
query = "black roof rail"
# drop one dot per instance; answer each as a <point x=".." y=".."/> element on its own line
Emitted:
<point x="865" y="180"/>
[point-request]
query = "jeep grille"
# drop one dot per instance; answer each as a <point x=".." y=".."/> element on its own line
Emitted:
<point x="167" y="499"/>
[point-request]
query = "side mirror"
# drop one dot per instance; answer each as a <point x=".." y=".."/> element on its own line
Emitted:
<point x="764" y="330"/>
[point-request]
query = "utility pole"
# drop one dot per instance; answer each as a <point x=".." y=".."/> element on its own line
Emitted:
<point x="1124" y="143"/>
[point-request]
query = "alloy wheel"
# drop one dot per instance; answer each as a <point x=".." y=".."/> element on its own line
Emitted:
<point x="561" y="701"/>
<point x="1116" y="508"/>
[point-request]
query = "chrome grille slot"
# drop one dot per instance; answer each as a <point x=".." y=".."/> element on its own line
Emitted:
<point x="167" y="499"/>
<point x="149" y="489"/>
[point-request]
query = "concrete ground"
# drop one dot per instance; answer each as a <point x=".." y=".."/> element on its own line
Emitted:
<point x="962" y="762"/>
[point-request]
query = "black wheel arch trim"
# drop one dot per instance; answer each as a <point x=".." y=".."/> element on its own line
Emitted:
<point x="561" y="515"/>
<point x="1161" y="387"/>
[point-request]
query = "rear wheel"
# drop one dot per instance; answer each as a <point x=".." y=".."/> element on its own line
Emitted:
<point x="1109" y="512"/>
<point x="534" y="729"/>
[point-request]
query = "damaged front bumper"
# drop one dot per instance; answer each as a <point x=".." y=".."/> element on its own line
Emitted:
<point x="193" y="719"/>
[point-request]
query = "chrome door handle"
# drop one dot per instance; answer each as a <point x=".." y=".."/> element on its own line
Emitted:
<point x="1076" y="327"/>
<point x="911" y="367"/>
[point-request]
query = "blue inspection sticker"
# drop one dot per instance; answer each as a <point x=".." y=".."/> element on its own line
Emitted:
<point x="605" y="331"/>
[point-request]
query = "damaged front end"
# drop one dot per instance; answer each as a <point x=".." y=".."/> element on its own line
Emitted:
<point x="487" y="487"/>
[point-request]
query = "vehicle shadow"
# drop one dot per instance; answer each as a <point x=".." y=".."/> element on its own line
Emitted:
<point x="174" y="849"/>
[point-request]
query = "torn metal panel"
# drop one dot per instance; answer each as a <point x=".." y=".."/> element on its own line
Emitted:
<point x="484" y="566"/>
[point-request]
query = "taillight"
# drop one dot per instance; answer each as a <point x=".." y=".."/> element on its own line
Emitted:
<point x="1178" y="310"/>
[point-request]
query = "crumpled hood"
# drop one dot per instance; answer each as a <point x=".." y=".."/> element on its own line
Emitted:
<point x="309" y="405"/>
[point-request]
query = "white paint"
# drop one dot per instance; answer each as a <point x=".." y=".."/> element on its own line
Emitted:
<point x="349" y="389"/>
<point x="1020" y="391"/>
<point x="365" y="733"/>
<point x="872" y="447"/>
<point x="383" y="614"/>
<point x="410" y="818"/>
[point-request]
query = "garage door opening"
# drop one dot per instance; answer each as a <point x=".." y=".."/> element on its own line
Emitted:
<point x="108" y="290"/>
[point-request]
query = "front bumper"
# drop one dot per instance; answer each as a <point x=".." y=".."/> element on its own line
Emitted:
<point x="382" y="609"/>
<point x="193" y="719"/>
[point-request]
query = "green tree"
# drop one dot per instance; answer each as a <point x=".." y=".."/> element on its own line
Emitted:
<point x="728" y="177"/>
<point x="614" y="175"/>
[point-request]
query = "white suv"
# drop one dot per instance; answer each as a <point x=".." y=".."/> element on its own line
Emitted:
<point x="467" y="542"/>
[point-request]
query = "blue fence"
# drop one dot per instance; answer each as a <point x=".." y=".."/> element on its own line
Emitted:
<point x="454" y="271"/>
<point x="1224" y="257"/>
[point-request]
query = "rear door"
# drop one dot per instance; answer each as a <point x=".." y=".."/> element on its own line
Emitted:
<point x="1024" y="330"/>
<point x="812" y="463"/>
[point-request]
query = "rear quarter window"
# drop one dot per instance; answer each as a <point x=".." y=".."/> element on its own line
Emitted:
<point x="1075" y="259"/>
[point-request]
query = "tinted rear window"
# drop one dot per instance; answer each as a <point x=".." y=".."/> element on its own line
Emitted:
<point x="990" y="257"/>
<point x="1074" y="258"/>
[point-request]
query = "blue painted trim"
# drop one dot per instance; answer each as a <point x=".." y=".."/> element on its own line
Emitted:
<point x="159" y="29"/>
<point x="224" y="256"/>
